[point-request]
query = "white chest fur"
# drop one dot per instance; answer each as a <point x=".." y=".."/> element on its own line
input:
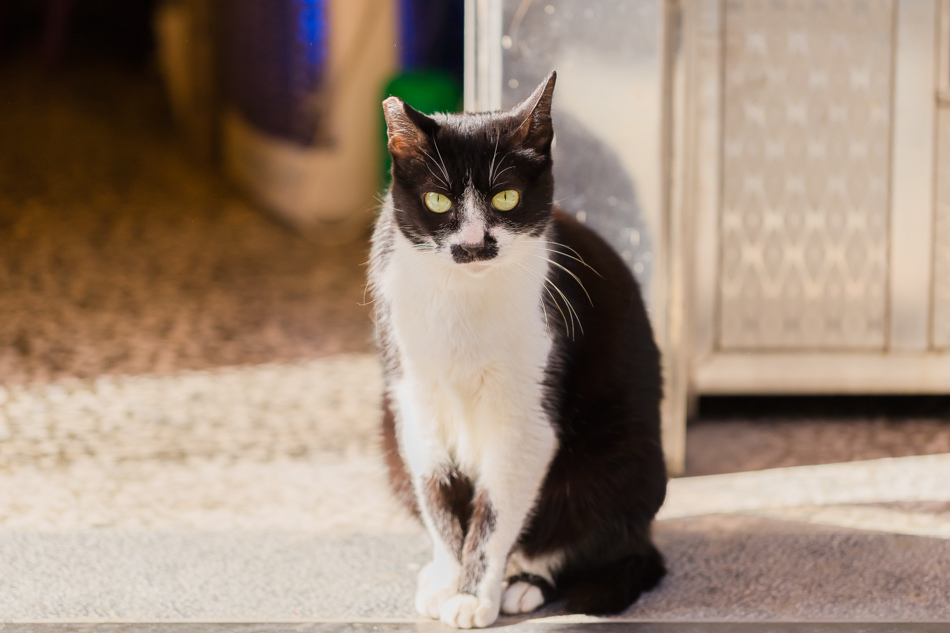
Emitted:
<point x="473" y="351"/>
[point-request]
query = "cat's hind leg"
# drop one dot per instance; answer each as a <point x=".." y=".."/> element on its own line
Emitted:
<point x="530" y="582"/>
<point x="611" y="587"/>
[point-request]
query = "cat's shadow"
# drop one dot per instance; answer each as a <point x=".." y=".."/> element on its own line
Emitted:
<point x="593" y="185"/>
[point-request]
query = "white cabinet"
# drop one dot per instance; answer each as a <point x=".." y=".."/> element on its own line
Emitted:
<point x="811" y="188"/>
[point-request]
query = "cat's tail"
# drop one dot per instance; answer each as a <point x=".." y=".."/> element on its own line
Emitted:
<point x="616" y="585"/>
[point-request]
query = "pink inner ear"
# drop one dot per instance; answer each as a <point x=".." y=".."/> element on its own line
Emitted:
<point x="402" y="143"/>
<point x="398" y="144"/>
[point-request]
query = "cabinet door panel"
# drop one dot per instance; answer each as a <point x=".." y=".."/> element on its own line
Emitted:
<point x="805" y="165"/>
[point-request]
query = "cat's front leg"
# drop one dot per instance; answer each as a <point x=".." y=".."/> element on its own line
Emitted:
<point x="438" y="489"/>
<point x="438" y="581"/>
<point x="442" y="493"/>
<point x="505" y="494"/>
<point x="479" y="594"/>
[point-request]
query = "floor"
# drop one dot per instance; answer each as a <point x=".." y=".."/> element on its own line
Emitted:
<point x="722" y="568"/>
<point x="123" y="256"/>
<point x="188" y="400"/>
<point x="525" y="627"/>
<point x="731" y="436"/>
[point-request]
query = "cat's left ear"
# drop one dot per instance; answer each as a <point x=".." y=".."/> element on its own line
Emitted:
<point x="534" y="113"/>
<point x="408" y="129"/>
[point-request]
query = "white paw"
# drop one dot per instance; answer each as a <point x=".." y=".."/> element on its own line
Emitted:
<point x="521" y="597"/>
<point x="464" y="611"/>
<point x="434" y="589"/>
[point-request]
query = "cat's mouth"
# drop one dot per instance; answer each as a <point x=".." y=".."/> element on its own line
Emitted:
<point x="476" y="268"/>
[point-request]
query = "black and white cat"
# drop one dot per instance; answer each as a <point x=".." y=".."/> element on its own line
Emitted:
<point x="522" y="382"/>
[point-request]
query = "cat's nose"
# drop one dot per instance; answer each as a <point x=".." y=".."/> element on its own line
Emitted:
<point x="472" y="249"/>
<point x="466" y="253"/>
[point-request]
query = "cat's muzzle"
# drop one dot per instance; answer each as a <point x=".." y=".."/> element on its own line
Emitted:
<point x="468" y="253"/>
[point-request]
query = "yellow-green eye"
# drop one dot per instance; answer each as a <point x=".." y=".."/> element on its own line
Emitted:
<point x="505" y="200"/>
<point x="438" y="203"/>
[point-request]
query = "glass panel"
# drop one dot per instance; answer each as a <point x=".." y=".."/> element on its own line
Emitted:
<point x="608" y="114"/>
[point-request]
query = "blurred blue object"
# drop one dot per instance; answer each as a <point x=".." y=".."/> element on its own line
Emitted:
<point x="432" y="57"/>
<point x="275" y="60"/>
<point x="431" y="35"/>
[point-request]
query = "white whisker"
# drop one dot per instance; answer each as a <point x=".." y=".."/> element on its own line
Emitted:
<point x="568" y="271"/>
<point x="578" y="257"/>
<point x="437" y="177"/>
<point x="569" y="330"/>
<point x="503" y="171"/>
<point x="570" y="309"/>
<point x="445" y="172"/>
<point x="571" y="273"/>
<point x="523" y="271"/>
<point x="491" y="167"/>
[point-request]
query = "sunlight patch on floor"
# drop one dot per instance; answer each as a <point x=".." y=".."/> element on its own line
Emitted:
<point x="824" y="494"/>
<point x="296" y="446"/>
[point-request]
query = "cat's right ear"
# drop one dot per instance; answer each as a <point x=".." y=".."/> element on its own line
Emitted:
<point x="409" y="130"/>
<point x="534" y="116"/>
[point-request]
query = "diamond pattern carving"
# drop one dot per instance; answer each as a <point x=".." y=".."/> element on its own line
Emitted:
<point x="806" y="154"/>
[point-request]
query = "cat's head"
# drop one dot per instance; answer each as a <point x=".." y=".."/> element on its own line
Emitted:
<point x="470" y="187"/>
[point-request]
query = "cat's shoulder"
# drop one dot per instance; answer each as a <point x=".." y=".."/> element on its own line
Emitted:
<point x="599" y="257"/>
